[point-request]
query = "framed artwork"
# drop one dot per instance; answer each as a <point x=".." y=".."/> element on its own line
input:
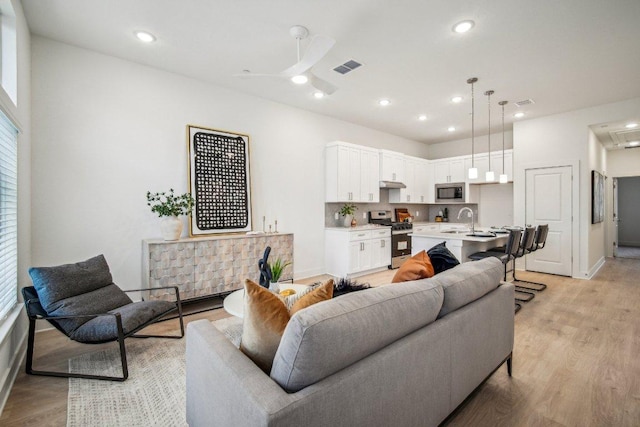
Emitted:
<point x="219" y="181"/>
<point x="597" y="197"/>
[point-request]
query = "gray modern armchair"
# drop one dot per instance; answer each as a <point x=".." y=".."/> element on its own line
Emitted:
<point x="83" y="303"/>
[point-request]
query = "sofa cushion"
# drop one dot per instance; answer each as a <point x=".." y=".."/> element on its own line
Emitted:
<point x="82" y="288"/>
<point x="266" y="316"/>
<point x="415" y="268"/>
<point x="330" y="336"/>
<point x="468" y="282"/>
<point x="442" y="258"/>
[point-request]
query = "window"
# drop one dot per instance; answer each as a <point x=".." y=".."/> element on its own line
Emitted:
<point x="8" y="216"/>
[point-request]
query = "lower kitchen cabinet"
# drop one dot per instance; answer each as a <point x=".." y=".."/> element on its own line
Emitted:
<point x="352" y="252"/>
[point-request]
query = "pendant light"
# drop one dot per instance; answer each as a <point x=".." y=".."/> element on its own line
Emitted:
<point x="503" y="176"/>
<point x="489" y="176"/>
<point x="473" y="171"/>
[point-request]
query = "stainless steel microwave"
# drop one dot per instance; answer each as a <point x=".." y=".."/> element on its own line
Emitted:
<point x="450" y="192"/>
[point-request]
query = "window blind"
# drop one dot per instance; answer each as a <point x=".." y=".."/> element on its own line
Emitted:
<point x="8" y="216"/>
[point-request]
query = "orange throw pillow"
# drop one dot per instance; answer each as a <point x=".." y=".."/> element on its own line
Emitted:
<point x="417" y="267"/>
<point x="266" y="316"/>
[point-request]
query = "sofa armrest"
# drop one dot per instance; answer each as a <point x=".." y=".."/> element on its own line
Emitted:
<point x="224" y="387"/>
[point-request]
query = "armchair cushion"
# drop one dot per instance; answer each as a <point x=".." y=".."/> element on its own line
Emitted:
<point x="82" y="288"/>
<point x="104" y="329"/>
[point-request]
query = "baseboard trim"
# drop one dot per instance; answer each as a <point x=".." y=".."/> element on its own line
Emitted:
<point x="598" y="265"/>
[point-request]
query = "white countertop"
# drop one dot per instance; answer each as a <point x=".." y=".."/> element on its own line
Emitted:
<point x="457" y="236"/>
<point x="359" y="227"/>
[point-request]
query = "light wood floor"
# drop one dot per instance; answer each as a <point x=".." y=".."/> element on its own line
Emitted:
<point x="575" y="359"/>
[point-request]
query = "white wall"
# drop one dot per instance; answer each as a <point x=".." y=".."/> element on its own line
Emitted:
<point x="558" y="139"/>
<point x="597" y="157"/>
<point x="620" y="163"/>
<point x="12" y="336"/>
<point x="495" y="204"/>
<point x="462" y="147"/>
<point x="107" y="130"/>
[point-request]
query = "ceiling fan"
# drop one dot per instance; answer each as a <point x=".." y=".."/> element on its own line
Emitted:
<point x="300" y="72"/>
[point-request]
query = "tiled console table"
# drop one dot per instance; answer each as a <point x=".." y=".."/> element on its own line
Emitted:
<point x="209" y="266"/>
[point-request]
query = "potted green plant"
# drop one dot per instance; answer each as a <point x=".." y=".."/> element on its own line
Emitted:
<point x="169" y="207"/>
<point x="347" y="211"/>
<point x="277" y="268"/>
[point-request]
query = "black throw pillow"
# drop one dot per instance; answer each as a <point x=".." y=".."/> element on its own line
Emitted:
<point x="441" y="258"/>
<point x="344" y="286"/>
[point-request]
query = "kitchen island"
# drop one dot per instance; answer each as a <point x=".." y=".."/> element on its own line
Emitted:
<point x="459" y="242"/>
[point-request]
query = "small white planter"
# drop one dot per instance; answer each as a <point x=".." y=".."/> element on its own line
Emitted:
<point x="347" y="220"/>
<point x="171" y="227"/>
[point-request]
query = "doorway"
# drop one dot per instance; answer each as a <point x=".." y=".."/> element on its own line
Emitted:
<point x="549" y="197"/>
<point x="626" y="214"/>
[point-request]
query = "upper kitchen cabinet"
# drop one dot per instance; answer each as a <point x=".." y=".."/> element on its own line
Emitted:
<point x="496" y="163"/>
<point x="417" y="181"/>
<point x="391" y="166"/>
<point x="351" y="173"/>
<point x="481" y="162"/>
<point x="449" y="170"/>
<point x="369" y="175"/>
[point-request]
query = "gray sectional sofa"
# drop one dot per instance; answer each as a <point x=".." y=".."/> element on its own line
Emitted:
<point x="403" y="354"/>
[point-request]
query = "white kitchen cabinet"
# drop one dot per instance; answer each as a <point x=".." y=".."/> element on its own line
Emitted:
<point x="369" y="176"/>
<point x="391" y="166"/>
<point x="481" y="162"/>
<point x="351" y="173"/>
<point x="416" y="178"/>
<point x="496" y="164"/>
<point x="352" y="252"/>
<point x="449" y="170"/>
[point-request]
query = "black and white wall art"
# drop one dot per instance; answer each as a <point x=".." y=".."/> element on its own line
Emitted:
<point x="219" y="181"/>
<point x="597" y="197"/>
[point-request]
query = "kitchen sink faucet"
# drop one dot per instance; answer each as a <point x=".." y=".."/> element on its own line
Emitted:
<point x="472" y="217"/>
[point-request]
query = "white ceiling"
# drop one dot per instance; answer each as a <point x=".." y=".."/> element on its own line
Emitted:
<point x="564" y="55"/>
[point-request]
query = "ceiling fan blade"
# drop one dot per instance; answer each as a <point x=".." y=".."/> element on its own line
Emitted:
<point x="317" y="49"/>
<point x="322" y="85"/>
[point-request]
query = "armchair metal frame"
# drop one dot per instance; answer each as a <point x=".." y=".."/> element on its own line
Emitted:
<point x="35" y="312"/>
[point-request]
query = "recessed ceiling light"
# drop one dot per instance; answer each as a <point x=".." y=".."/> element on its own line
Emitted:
<point x="300" y="79"/>
<point x="463" y="26"/>
<point x="519" y="115"/>
<point x="456" y="99"/>
<point x="422" y="117"/>
<point x="634" y="143"/>
<point x="451" y="129"/>
<point x="631" y="125"/>
<point x="384" y="102"/>
<point x="318" y="95"/>
<point x="144" y="36"/>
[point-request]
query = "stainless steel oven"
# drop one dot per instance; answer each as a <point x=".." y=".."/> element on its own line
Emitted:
<point x="400" y="244"/>
<point x="450" y="193"/>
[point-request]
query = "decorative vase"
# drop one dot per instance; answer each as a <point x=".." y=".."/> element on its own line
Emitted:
<point x="274" y="287"/>
<point x="347" y="220"/>
<point x="171" y="228"/>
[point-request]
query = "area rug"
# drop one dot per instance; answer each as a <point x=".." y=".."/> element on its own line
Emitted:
<point x="153" y="395"/>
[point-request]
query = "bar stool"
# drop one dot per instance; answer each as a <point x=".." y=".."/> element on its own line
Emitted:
<point x="538" y="243"/>
<point x="526" y="243"/>
<point x="510" y="249"/>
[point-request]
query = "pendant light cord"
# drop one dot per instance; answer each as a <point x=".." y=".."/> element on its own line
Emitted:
<point x="489" y="93"/>
<point x="471" y="81"/>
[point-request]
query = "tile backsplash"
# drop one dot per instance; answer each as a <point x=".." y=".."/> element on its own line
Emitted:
<point x="421" y="213"/>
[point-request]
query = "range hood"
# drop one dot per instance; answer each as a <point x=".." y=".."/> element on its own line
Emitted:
<point x="392" y="184"/>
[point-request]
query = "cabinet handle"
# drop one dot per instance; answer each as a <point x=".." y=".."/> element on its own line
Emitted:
<point x="394" y="176"/>
<point x="408" y="198"/>
<point x="382" y="243"/>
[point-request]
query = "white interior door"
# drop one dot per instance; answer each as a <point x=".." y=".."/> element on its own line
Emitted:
<point x="548" y="201"/>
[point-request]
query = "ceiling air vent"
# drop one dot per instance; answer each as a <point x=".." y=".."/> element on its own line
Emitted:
<point x="624" y="136"/>
<point x="347" y="67"/>
<point x="524" y="102"/>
